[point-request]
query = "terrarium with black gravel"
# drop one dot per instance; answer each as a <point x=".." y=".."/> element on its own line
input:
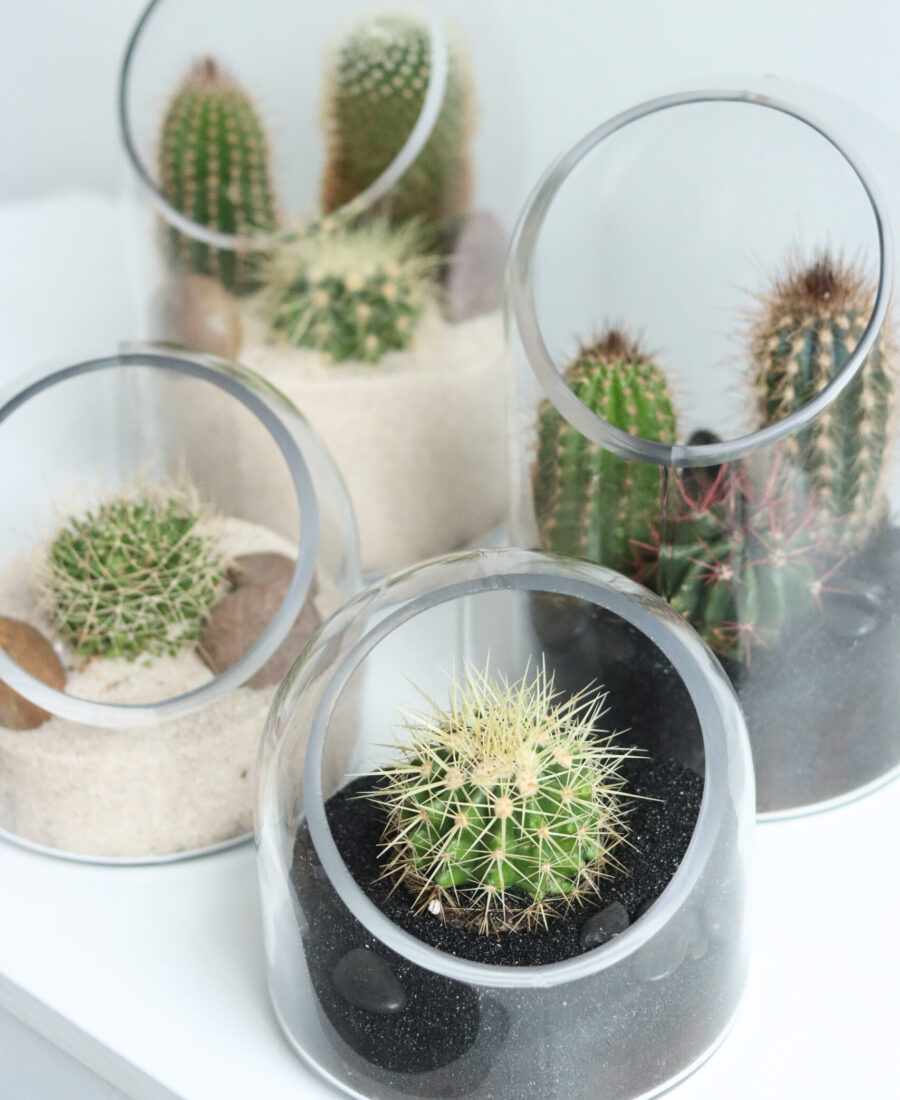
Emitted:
<point x="492" y="875"/>
<point x="707" y="403"/>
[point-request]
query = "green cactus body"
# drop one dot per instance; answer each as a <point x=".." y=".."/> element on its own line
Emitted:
<point x="376" y="87"/>
<point x="589" y="502"/>
<point x="351" y="292"/>
<point x="214" y="168"/>
<point x="133" y="577"/>
<point x="506" y="806"/>
<point x="737" y="563"/>
<point x="808" y="327"/>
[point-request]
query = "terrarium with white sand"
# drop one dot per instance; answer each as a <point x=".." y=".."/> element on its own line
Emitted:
<point x="335" y="232"/>
<point x="145" y="626"/>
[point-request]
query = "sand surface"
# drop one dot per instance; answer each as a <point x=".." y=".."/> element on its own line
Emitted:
<point x="170" y="787"/>
<point x="418" y="438"/>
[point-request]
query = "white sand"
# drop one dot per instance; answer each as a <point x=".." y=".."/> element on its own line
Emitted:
<point x="419" y="438"/>
<point x="172" y="787"/>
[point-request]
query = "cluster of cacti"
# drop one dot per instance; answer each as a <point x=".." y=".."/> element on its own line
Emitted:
<point x="506" y="806"/>
<point x="376" y="87"/>
<point x="589" y="502"/>
<point x="810" y="321"/>
<point x="134" y="576"/>
<point x="351" y="291"/>
<point x="214" y="169"/>
<point x="736" y="557"/>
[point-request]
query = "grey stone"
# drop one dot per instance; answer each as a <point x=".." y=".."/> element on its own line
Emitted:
<point x="474" y="279"/>
<point x="603" y="925"/>
<point x="366" y="981"/>
<point x="198" y="312"/>
<point x="721" y="919"/>
<point x="853" y="608"/>
<point x="663" y="955"/>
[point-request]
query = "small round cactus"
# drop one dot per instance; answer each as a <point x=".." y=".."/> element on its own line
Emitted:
<point x="808" y="324"/>
<point x="214" y="168"/>
<point x="132" y="577"/>
<point x="589" y="502"/>
<point x="375" y="92"/>
<point x="507" y="805"/>
<point x="350" y="291"/>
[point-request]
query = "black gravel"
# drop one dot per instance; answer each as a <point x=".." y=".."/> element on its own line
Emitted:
<point x="822" y="706"/>
<point x="659" y="833"/>
<point x="439" y="1037"/>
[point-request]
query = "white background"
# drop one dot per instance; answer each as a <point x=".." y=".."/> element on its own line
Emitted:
<point x="583" y="60"/>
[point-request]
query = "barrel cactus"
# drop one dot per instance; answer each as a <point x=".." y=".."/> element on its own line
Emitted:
<point x="214" y="168"/>
<point x="376" y="87"/>
<point x="739" y="559"/>
<point x="135" y="576"/>
<point x="350" y="291"/>
<point x="506" y="806"/>
<point x="589" y="502"/>
<point x="807" y="326"/>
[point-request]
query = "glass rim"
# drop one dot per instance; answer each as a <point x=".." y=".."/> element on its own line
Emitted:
<point x="521" y="305"/>
<point x="376" y="190"/>
<point x="491" y="571"/>
<point x="133" y="715"/>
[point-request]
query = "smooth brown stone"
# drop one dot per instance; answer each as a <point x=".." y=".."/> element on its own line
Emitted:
<point x="198" y="312"/>
<point x="238" y="621"/>
<point x="30" y="649"/>
<point x="262" y="568"/>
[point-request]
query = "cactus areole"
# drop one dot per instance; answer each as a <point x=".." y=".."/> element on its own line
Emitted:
<point x="506" y="806"/>
<point x="589" y="502"/>
<point x="376" y="90"/>
<point x="214" y="168"/>
<point x="807" y="327"/>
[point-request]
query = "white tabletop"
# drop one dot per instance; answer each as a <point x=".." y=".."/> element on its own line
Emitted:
<point x="153" y="977"/>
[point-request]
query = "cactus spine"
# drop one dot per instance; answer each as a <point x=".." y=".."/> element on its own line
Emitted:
<point x="134" y="576"/>
<point x="738" y="561"/>
<point x="809" y="322"/>
<point x="352" y="292"/>
<point x="506" y="806"/>
<point x="589" y="502"/>
<point x="375" y="91"/>
<point x="214" y="168"/>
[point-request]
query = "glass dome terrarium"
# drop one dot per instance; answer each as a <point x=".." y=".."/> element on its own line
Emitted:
<point x="705" y="366"/>
<point x="151" y="601"/>
<point x="411" y="953"/>
<point x="320" y="194"/>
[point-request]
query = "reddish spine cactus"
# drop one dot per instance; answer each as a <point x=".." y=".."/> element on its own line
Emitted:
<point x="738" y="557"/>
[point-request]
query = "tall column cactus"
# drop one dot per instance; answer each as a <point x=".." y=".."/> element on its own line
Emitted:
<point x="808" y="325"/>
<point x="214" y="168"/>
<point x="589" y="502"/>
<point x="374" y="95"/>
<point x="737" y="559"/>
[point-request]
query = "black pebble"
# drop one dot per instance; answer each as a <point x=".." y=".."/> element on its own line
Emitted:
<point x="854" y="609"/>
<point x="602" y="926"/>
<point x="366" y="981"/>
